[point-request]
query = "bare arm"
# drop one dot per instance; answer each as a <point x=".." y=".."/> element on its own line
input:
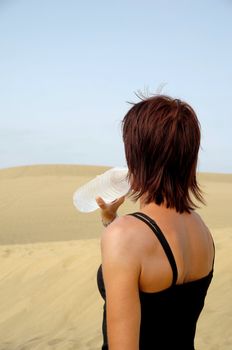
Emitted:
<point x="121" y="270"/>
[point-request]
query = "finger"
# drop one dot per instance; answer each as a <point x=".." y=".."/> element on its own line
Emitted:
<point x="101" y="203"/>
<point x="120" y="200"/>
<point x="116" y="204"/>
<point x="114" y="201"/>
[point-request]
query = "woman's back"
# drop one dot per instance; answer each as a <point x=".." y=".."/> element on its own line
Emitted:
<point x="176" y="270"/>
<point x="189" y="239"/>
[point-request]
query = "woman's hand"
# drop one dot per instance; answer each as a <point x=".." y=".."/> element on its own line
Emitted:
<point x="109" y="210"/>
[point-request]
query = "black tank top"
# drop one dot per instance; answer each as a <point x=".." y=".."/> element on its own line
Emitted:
<point x="168" y="317"/>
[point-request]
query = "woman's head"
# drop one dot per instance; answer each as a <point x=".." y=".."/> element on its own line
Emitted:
<point x="162" y="138"/>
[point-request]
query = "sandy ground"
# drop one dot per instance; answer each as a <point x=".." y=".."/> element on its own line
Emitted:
<point x="50" y="253"/>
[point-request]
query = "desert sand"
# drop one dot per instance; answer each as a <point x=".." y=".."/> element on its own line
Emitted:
<point x="50" y="253"/>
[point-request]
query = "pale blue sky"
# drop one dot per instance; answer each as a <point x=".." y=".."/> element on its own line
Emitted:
<point x="68" y="67"/>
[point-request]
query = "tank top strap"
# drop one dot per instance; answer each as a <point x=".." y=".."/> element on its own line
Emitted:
<point x="159" y="234"/>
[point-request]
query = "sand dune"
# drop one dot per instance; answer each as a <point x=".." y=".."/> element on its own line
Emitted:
<point x="49" y="255"/>
<point x="48" y="296"/>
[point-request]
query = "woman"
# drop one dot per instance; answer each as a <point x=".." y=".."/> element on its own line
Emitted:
<point x="157" y="263"/>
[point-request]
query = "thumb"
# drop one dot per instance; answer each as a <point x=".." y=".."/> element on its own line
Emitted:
<point x="101" y="203"/>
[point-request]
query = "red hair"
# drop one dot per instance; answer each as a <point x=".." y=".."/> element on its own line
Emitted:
<point x="162" y="138"/>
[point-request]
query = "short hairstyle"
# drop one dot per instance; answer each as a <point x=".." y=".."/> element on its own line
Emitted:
<point x="162" y="138"/>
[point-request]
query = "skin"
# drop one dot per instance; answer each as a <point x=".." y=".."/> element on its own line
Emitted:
<point x="133" y="260"/>
<point x="108" y="211"/>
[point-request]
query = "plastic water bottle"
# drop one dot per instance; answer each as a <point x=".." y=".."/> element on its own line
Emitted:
<point x="110" y="185"/>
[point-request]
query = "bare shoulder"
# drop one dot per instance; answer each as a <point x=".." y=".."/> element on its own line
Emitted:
<point x="201" y="222"/>
<point x="121" y="237"/>
<point x="205" y="232"/>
